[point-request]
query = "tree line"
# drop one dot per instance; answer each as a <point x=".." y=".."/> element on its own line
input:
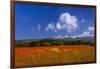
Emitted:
<point x="53" y="42"/>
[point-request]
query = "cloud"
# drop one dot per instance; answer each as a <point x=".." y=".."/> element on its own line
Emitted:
<point x="59" y="36"/>
<point x="89" y="32"/>
<point x="66" y="22"/>
<point x="67" y="36"/>
<point x="91" y="28"/>
<point x="58" y="26"/>
<point x="73" y="36"/>
<point x="51" y="26"/>
<point x="39" y="27"/>
<point x="86" y="33"/>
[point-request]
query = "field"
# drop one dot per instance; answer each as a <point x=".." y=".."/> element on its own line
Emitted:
<point x="51" y="55"/>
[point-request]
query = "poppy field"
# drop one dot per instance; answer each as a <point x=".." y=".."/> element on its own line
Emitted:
<point x="52" y="55"/>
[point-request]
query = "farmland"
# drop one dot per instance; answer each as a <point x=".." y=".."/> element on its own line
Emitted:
<point x="50" y="51"/>
<point x="51" y="55"/>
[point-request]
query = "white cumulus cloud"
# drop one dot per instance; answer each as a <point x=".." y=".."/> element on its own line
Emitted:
<point x="66" y="22"/>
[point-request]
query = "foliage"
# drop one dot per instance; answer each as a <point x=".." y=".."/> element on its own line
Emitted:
<point x="53" y="42"/>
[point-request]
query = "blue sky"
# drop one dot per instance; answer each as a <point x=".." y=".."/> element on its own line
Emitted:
<point x="42" y="21"/>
